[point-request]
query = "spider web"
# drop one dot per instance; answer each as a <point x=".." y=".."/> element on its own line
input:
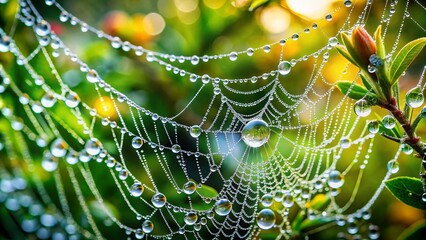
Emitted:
<point x="124" y="166"/>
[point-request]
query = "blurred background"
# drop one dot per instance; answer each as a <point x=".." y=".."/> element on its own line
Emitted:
<point x="198" y="27"/>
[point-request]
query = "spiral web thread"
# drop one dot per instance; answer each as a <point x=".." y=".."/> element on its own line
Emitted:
<point x="58" y="136"/>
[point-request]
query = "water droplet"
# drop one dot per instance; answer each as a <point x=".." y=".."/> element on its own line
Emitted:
<point x="335" y="179"/>
<point x="189" y="187"/>
<point x="407" y="149"/>
<point x="147" y="226"/>
<point x="233" y="56"/>
<point x="333" y="41"/>
<point x="84" y="156"/>
<point x="137" y="142"/>
<point x="393" y="166"/>
<point x="48" y="100"/>
<point x="267" y="48"/>
<point x="288" y="200"/>
<point x="373" y="127"/>
<point x="110" y="162"/>
<point x="373" y="232"/>
<point x="93" y="146"/>
<point x="195" y="131"/>
<point x="49" y="162"/>
<point x="328" y="17"/>
<point x="255" y="133"/>
<point x="265" y="219"/>
<point x="72" y="100"/>
<point x="58" y="148"/>
<point x="267" y="200"/>
<point x="415" y="97"/>
<point x="176" y="148"/>
<point x="42" y="28"/>
<point x="123" y="174"/>
<point x="348" y="3"/>
<point x="279" y="194"/>
<point x="136" y="189"/>
<point x="195" y="60"/>
<point x="371" y="69"/>
<point x="424" y="197"/>
<point x="223" y="207"/>
<point x="423" y="112"/>
<point x="250" y="52"/>
<point x="352" y="228"/>
<point x="158" y="200"/>
<point x="139" y="234"/>
<point x="92" y="76"/>
<point x="362" y="108"/>
<point x="190" y="218"/>
<point x="72" y="157"/>
<point x="389" y="121"/>
<point x="295" y="37"/>
<point x="284" y="68"/>
<point x="345" y="143"/>
<point x="4" y="44"/>
<point x="64" y="16"/>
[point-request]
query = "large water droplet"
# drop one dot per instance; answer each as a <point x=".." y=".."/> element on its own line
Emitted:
<point x="58" y="148"/>
<point x="137" y="142"/>
<point x="72" y="99"/>
<point x="265" y="219"/>
<point x="335" y="179"/>
<point x="233" y="56"/>
<point x="136" y="189"/>
<point x="407" y="149"/>
<point x="72" y="157"/>
<point x="255" y="133"/>
<point x="93" y="146"/>
<point x="4" y="44"/>
<point x="49" y="162"/>
<point x="288" y="200"/>
<point x="362" y="108"/>
<point x="284" y="68"/>
<point x="189" y="187"/>
<point x="195" y="131"/>
<point x="176" y="148"/>
<point x="48" y="100"/>
<point x="373" y="127"/>
<point x="389" y="121"/>
<point x="222" y="207"/>
<point x="158" y="200"/>
<point x="92" y="76"/>
<point x="373" y="232"/>
<point x="415" y="97"/>
<point x="147" y="226"/>
<point x="267" y="200"/>
<point x="42" y="28"/>
<point x="393" y="166"/>
<point x="190" y="218"/>
<point x="333" y="41"/>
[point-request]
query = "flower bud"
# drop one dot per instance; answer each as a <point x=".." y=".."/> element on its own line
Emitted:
<point x="363" y="45"/>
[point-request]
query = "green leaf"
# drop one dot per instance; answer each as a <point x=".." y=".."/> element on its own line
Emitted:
<point x="404" y="58"/>
<point x="379" y="43"/>
<point x="319" y="201"/>
<point x="344" y="52"/>
<point x="257" y="3"/>
<point x="316" y="222"/>
<point x="352" y="90"/>
<point x="365" y="82"/>
<point x="408" y="190"/>
<point x="207" y="191"/>
<point x="414" y="232"/>
<point x="350" y="49"/>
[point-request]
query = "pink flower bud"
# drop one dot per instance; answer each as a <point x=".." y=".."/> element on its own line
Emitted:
<point x="364" y="46"/>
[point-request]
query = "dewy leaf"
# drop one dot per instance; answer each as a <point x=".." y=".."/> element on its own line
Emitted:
<point x="379" y="43"/>
<point x="352" y="90"/>
<point x="257" y="3"/>
<point x="344" y="52"/>
<point x="408" y="190"/>
<point x="404" y="58"/>
<point x="316" y="222"/>
<point x="207" y="191"/>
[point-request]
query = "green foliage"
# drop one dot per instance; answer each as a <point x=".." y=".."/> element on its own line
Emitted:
<point x="352" y="90"/>
<point x="207" y="191"/>
<point x="404" y="58"/>
<point x="257" y="3"/>
<point x="408" y="190"/>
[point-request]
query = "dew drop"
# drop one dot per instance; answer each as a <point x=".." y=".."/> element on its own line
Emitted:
<point x="333" y="41"/>
<point x="265" y="219"/>
<point x="58" y="148"/>
<point x="348" y="3"/>
<point x="72" y="157"/>
<point x="233" y="56"/>
<point x="223" y="207"/>
<point x="373" y="127"/>
<point x="158" y="200"/>
<point x="335" y="179"/>
<point x="328" y="17"/>
<point x="4" y="44"/>
<point x="49" y="162"/>
<point x="362" y="108"/>
<point x="147" y="226"/>
<point x="176" y="148"/>
<point x="42" y="28"/>
<point x="93" y="146"/>
<point x="110" y="162"/>
<point x="267" y="49"/>
<point x="205" y="78"/>
<point x="92" y="76"/>
<point x="139" y="234"/>
<point x="190" y="218"/>
<point x="48" y="100"/>
<point x="189" y="187"/>
<point x="424" y="197"/>
<point x="255" y="133"/>
<point x="72" y="100"/>
<point x="137" y="142"/>
<point x="266" y="200"/>
<point x="393" y="166"/>
<point x="250" y="52"/>
<point x="407" y="149"/>
<point x="414" y="97"/>
<point x="352" y="228"/>
<point x="389" y="121"/>
<point x="345" y="143"/>
<point x="195" y="131"/>
<point x="288" y="200"/>
<point x="136" y="189"/>
<point x="123" y="174"/>
<point x="284" y="68"/>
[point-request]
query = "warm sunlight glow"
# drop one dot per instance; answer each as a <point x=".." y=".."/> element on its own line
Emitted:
<point x="275" y="19"/>
<point x="312" y="9"/>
